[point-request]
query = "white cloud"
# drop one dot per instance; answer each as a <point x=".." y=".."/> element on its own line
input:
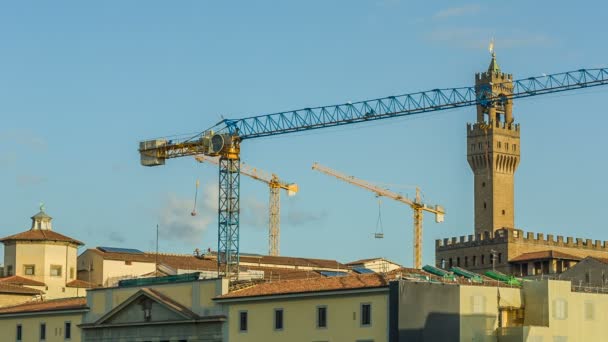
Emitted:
<point x="177" y="223"/>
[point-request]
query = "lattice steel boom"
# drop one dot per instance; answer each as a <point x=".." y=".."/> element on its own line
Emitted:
<point x="224" y="138"/>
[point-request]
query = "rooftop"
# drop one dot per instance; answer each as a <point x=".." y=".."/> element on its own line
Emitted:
<point x="16" y="289"/>
<point x="81" y="284"/>
<point x="548" y="254"/>
<point x="17" y="280"/>
<point x="40" y="235"/>
<point x="47" y="305"/>
<point x="358" y="281"/>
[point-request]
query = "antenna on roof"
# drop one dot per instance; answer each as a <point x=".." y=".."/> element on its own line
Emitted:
<point x="156" y="259"/>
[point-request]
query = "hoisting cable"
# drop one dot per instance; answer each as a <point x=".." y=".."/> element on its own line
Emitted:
<point x="379" y="234"/>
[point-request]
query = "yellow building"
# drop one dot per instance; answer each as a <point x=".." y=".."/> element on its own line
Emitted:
<point x="50" y="321"/>
<point x="340" y="308"/>
<point x="42" y="259"/>
<point x="175" y="308"/>
<point x="543" y="310"/>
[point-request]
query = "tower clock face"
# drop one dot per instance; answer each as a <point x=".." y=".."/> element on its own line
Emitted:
<point x="484" y="94"/>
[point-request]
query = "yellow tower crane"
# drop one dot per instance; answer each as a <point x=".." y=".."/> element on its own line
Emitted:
<point x="415" y="204"/>
<point x="275" y="185"/>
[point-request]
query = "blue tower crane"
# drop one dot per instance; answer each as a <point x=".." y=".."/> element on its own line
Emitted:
<point x="224" y="138"/>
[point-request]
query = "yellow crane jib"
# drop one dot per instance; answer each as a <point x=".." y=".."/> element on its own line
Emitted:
<point x="415" y="204"/>
<point x="275" y="184"/>
<point x="154" y="152"/>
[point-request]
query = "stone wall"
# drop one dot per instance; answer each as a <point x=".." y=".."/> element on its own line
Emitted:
<point x="509" y="244"/>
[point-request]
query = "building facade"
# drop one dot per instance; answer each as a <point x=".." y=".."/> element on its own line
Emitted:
<point x="49" y="321"/>
<point x="153" y="310"/>
<point x="42" y="259"/>
<point x="544" y="310"/>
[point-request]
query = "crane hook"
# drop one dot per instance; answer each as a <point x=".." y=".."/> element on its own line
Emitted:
<point x="193" y="213"/>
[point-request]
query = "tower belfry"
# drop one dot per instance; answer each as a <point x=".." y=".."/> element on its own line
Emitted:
<point x="493" y="150"/>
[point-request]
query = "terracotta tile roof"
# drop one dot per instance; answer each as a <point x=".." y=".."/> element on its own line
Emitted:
<point x="40" y="235"/>
<point x="290" y="261"/>
<point x="81" y="284"/>
<point x="16" y="289"/>
<point x="47" y="305"/>
<point x="278" y="273"/>
<point x="549" y="254"/>
<point x="185" y="261"/>
<point x="207" y="263"/>
<point x="17" y="280"/>
<point x="362" y="261"/>
<point x="351" y="282"/>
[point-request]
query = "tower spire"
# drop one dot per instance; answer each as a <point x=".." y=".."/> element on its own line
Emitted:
<point x="493" y="68"/>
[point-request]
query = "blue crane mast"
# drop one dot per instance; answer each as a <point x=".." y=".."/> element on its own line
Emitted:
<point x="224" y="138"/>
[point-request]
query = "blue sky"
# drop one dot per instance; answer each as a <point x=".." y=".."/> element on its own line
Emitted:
<point x="81" y="83"/>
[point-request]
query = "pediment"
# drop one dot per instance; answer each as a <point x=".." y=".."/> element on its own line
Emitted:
<point x="147" y="306"/>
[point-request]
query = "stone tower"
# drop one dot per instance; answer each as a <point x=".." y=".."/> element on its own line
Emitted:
<point x="493" y="150"/>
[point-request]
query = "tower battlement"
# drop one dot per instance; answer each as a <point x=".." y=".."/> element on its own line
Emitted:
<point x="519" y="236"/>
<point x="483" y="128"/>
<point x="480" y="76"/>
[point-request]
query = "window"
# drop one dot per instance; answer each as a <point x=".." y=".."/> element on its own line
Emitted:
<point x="42" y="331"/>
<point x="67" y="331"/>
<point x="503" y="212"/>
<point x="128" y="262"/>
<point x="458" y="261"/>
<point x="321" y="316"/>
<point x="366" y="315"/>
<point x="9" y="270"/>
<point x="499" y="144"/>
<point x="560" y="308"/>
<point x="484" y="205"/>
<point x="29" y="270"/>
<point x="478" y="304"/>
<point x="499" y="258"/>
<point x="466" y="261"/>
<point x="483" y="184"/>
<point x="278" y="319"/>
<point x="483" y="259"/>
<point x="71" y="272"/>
<point x="474" y="260"/>
<point x="243" y="321"/>
<point x="55" y="270"/>
<point x="19" y="332"/>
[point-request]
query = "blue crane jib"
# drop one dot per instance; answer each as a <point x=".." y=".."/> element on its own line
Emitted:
<point x="224" y="138"/>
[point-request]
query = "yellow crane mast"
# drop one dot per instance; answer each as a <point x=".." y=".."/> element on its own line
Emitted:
<point x="415" y="204"/>
<point x="274" y="207"/>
